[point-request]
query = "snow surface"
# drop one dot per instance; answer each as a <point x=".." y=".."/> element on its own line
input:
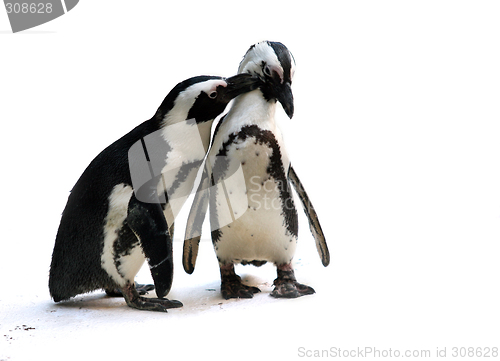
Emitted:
<point x="395" y="137"/>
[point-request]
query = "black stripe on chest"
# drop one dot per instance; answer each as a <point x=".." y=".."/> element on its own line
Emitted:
<point x="275" y="170"/>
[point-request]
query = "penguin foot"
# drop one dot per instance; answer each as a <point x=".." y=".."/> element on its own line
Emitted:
<point x="153" y="304"/>
<point x="286" y="286"/>
<point x="231" y="286"/>
<point x="291" y="289"/>
<point x="148" y="304"/>
<point x="236" y="289"/>
<point x="141" y="289"/>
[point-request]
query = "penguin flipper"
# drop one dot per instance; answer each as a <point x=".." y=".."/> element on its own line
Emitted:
<point x="314" y="224"/>
<point x="148" y="223"/>
<point x="195" y="223"/>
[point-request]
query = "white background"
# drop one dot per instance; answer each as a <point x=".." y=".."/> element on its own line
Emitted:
<point x="396" y="138"/>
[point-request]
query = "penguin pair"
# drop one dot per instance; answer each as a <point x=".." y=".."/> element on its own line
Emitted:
<point x="247" y="182"/>
<point x="121" y="211"/>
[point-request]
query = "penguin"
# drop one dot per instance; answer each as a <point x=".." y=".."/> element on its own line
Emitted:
<point x="247" y="182"/>
<point x="121" y="210"/>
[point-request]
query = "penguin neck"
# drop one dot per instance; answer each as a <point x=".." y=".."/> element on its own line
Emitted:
<point x="178" y="117"/>
<point x="253" y="108"/>
<point x="178" y="131"/>
<point x="174" y="116"/>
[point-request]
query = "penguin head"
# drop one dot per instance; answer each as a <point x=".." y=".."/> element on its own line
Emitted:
<point x="275" y="65"/>
<point x="203" y="98"/>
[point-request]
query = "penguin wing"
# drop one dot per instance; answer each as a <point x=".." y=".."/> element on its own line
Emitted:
<point x="314" y="225"/>
<point x="195" y="223"/>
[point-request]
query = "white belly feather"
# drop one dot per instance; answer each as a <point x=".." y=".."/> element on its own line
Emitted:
<point x="131" y="262"/>
<point x="259" y="232"/>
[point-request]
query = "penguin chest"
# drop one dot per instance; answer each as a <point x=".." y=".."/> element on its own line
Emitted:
<point x="188" y="143"/>
<point x="122" y="255"/>
<point x="254" y="218"/>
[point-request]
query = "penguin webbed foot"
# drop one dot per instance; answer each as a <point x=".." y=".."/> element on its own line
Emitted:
<point x="136" y="301"/>
<point x="286" y="286"/>
<point x="142" y="289"/>
<point x="291" y="290"/>
<point x="232" y="287"/>
<point x="236" y="289"/>
<point x="153" y="304"/>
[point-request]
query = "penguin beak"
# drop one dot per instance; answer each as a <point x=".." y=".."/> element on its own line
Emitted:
<point x="280" y="90"/>
<point x="285" y="97"/>
<point x="240" y="84"/>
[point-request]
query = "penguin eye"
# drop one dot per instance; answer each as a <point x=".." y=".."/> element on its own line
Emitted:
<point x="267" y="71"/>
<point x="212" y="95"/>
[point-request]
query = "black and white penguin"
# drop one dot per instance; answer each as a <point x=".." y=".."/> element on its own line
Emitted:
<point x="246" y="181"/>
<point x="120" y="211"/>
